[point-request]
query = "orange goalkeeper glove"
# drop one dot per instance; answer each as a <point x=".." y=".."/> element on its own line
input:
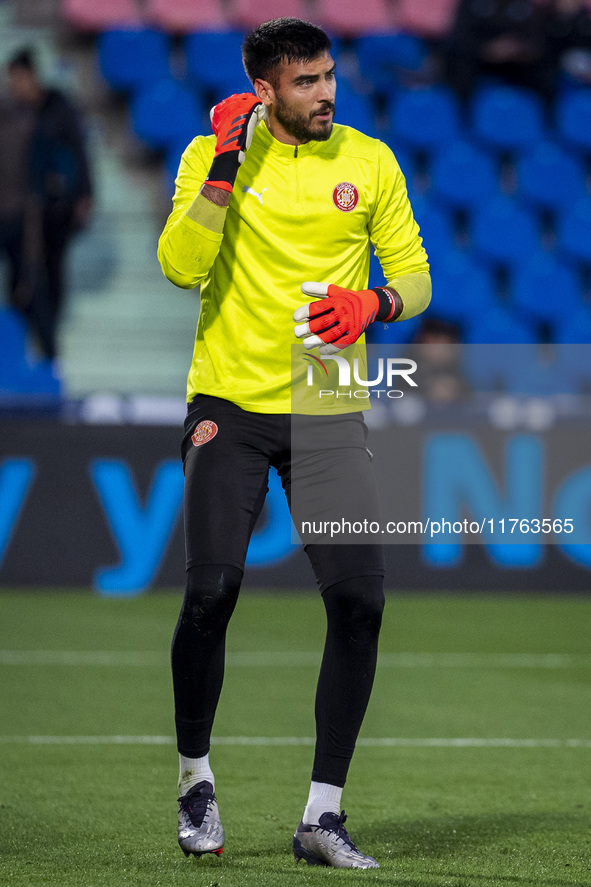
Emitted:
<point x="344" y="315"/>
<point x="233" y="122"/>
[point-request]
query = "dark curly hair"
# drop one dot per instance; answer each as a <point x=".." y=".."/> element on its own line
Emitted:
<point x="281" y="40"/>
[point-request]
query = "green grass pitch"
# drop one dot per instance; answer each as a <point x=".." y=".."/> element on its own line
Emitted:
<point x="473" y="769"/>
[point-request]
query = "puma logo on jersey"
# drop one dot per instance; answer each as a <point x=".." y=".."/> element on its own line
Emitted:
<point x="248" y="190"/>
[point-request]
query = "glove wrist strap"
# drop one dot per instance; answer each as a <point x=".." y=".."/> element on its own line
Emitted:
<point x="390" y="303"/>
<point x="224" y="170"/>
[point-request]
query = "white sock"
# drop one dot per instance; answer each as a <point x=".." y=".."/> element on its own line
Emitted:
<point x="323" y="798"/>
<point x="192" y="771"/>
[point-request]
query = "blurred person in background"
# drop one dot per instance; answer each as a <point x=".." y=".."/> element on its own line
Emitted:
<point x="439" y="374"/>
<point x="16" y="124"/>
<point x="58" y="195"/>
<point x="520" y="42"/>
<point x="507" y="40"/>
<point x="568" y="26"/>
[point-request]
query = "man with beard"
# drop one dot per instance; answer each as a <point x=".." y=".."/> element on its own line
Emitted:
<point x="258" y="210"/>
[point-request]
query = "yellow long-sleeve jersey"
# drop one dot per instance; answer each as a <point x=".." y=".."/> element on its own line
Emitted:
<point x="296" y="214"/>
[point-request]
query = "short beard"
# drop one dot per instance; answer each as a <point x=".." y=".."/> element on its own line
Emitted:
<point x="300" y="127"/>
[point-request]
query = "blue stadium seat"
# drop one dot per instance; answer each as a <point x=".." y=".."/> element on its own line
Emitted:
<point x="353" y="109"/>
<point x="550" y="177"/>
<point x="574" y="230"/>
<point x="204" y="52"/>
<point x="13" y="340"/>
<point x="573" y="118"/>
<point x="501" y="354"/>
<point x="499" y="326"/>
<point x="539" y="377"/>
<point x="464" y="176"/>
<point x="574" y="328"/>
<point x="496" y="365"/>
<point x="18" y="375"/>
<point x="572" y="352"/>
<point x="540" y="371"/>
<point x="401" y="333"/>
<point x="131" y="58"/>
<point x="436" y="226"/>
<point x="503" y="232"/>
<point x="406" y="164"/>
<point x="544" y="289"/>
<point x="507" y="118"/>
<point x="380" y="333"/>
<point x="166" y="113"/>
<point x="172" y="158"/>
<point x="462" y="289"/>
<point x="376" y="275"/>
<point x="384" y="57"/>
<point x="42" y="382"/>
<point x="425" y="119"/>
<point x="528" y="370"/>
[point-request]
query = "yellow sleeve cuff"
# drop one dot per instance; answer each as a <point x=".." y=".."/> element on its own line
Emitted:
<point x="415" y="291"/>
<point x="207" y="215"/>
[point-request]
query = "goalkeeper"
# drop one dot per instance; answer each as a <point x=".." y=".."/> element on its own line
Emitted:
<point x="274" y="216"/>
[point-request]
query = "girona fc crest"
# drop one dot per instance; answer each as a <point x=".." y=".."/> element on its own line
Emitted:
<point x="345" y="197"/>
<point x="204" y="432"/>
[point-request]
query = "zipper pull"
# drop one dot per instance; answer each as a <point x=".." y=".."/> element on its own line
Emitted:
<point x="295" y="151"/>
